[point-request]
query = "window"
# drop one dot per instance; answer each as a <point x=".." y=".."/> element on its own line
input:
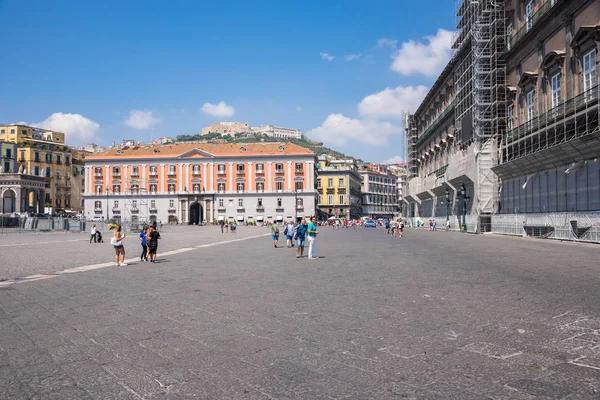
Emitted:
<point x="153" y="204"/>
<point x="7" y="167"/>
<point x="171" y="188"/>
<point x="330" y="199"/>
<point x="341" y="199"/>
<point x="171" y="169"/>
<point x="196" y="169"/>
<point x="48" y="157"/>
<point x="98" y="171"/>
<point x="98" y="189"/>
<point x="134" y="204"/>
<point x="319" y="185"/>
<point x="134" y="171"/>
<point x="221" y="169"/>
<point x="240" y="186"/>
<point x="260" y="186"/>
<point x="509" y="30"/>
<point x="135" y="188"/>
<point x="116" y="171"/>
<point x="299" y="185"/>
<point x="589" y="70"/>
<point x="67" y="160"/>
<point x="36" y="171"/>
<point x="260" y="168"/>
<point x="230" y="202"/>
<point x="240" y="202"/>
<point x="511" y="115"/>
<point x="8" y="154"/>
<point x="171" y="203"/>
<point x="330" y="182"/>
<point x="279" y="186"/>
<point x="196" y="187"/>
<point x="299" y="203"/>
<point x="153" y="170"/>
<point x="299" y="167"/>
<point x="153" y="188"/>
<point x="221" y="187"/>
<point x="259" y="203"/>
<point x="116" y="189"/>
<point x="529" y="14"/>
<point x="221" y="203"/>
<point x="48" y="172"/>
<point x="530" y="105"/>
<point x="116" y="204"/>
<point x="279" y="202"/>
<point x="279" y="168"/>
<point x="98" y="205"/>
<point x="37" y="156"/>
<point x="239" y="169"/>
<point x="12" y="131"/>
<point x="341" y="182"/>
<point x="555" y="84"/>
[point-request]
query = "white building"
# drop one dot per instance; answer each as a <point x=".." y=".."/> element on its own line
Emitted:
<point x="278" y="131"/>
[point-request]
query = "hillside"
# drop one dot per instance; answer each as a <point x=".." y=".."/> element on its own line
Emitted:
<point x="317" y="147"/>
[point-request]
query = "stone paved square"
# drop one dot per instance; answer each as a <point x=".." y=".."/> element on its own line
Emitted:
<point x="433" y="315"/>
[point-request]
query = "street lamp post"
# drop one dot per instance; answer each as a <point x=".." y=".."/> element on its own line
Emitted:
<point x="465" y="199"/>
<point x="448" y="204"/>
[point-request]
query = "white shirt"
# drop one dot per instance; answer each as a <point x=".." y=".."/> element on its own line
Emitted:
<point x="94" y="230"/>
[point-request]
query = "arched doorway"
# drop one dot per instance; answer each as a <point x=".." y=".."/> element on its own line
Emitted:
<point x="195" y="217"/>
<point x="8" y="201"/>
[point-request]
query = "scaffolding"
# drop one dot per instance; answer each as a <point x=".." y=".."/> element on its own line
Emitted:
<point x="411" y="140"/>
<point x="480" y="90"/>
<point x="136" y="204"/>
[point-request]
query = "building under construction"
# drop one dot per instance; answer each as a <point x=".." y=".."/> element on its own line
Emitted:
<point x="507" y="138"/>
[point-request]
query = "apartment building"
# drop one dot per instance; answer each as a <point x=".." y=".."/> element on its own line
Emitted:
<point x="339" y="188"/>
<point x="43" y="153"/>
<point x="8" y="157"/>
<point x="379" y="192"/>
<point x="190" y="183"/>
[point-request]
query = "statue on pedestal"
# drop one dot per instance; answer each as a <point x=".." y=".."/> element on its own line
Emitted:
<point x="21" y="169"/>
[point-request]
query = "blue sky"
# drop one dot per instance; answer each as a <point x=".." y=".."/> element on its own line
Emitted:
<point x="108" y="70"/>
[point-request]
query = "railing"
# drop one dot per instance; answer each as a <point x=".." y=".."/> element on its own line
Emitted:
<point x="544" y="8"/>
<point x="439" y="172"/>
<point x="433" y="125"/>
<point x="555" y="114"/>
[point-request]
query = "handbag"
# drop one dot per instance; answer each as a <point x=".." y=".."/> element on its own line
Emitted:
<point x="115" y="242"/>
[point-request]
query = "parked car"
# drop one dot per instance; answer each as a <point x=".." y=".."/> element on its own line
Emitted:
<point x="370" y="224"/>
<point x="97" y="219"/>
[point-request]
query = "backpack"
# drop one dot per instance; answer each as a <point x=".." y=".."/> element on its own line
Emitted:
<point x="285" y="231"/>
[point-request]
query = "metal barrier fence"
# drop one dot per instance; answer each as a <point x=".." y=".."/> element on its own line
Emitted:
<point x="27" y="225"/>
<point x="582" y="227"/>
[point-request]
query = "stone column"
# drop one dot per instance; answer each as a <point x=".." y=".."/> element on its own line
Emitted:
<point x="187" y="177"/>
<point x="231" y="177"/>
<point x="161" y="177"/>
<point x="250" y="172"/>
<point x="211" y="183"/>
<point x="143" y="176"/>
<point x="204" y="207"/>
<point x="269" y="177"/>
<point x="18" y="200"/>
<point x="107" y="172"/>
<point x="180" y="177"/>
<point x="290" y="177"/>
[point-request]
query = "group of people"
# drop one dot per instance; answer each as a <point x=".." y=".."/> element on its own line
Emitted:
<point x="226" y="226"/>
<point x="148" y="237"/>
<point x="395" y="227"/>
<point x="300" y="233"/>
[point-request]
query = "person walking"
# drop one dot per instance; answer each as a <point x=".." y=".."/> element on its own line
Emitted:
<point x="222" y="223"/>
<point x="144" y="243"/>
<point x="312" y="233"/>
<point x="300" y="238"/>
<point x="447" y="225"/>
<point x="289" y="234"/>
<point x="93" y="233"/>
<point x="117" y="242"/>
<point x="153" y="236"/>
<point x="387" y="226"/>
<point x="275" y="234"/>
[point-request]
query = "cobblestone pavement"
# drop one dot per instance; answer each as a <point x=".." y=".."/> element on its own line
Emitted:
<point x="24" y="255"/>
<point x="429" y="316"/>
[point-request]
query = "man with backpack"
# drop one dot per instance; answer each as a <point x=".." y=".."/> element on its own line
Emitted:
<point x="275" y="234"/>
<point x="289" y="234"/>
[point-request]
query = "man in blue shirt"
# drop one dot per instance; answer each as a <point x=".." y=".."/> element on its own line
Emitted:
<point x="143" y="239"/>
<point x="312" y="233"/>
<point x="300" y="238"/>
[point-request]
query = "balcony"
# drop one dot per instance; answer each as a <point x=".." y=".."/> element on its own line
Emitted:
<point x="135" y="174"/>
<point x="134" y="210"/>
<point x="529" y="25"/>
<point x="299" y="171"/>
<point x="241" y="209"/>
<point x="98" y="209"/>
<point x="67" y="162"/>
<point x="240" y="172"/>
<point x="220" y="209"/>
<point x="196" y="172"/>
<point x="260" y="172"/>
<point x="98" y="174"/>
<point x="58" y="162"/>
<point x="434" y="124"/>
<point x="279" y="172"/>
<point x="116" y="210"/>
<point x="153" y="210"/>
<point x="116" y="174"/>
<point x="279" y="209"/>
<point x="172" y="172"/>
<point x="153" y="173"/>
<point x="221" y="173"/>
<point x="172" y="210"/>
<point x="260" y="209"/>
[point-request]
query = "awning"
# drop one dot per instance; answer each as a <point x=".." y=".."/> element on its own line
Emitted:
<point x="280" y="218"/>
<point x="221" y="218"/>
<point x="240" y="217"/>
<point x="260" y="218"/>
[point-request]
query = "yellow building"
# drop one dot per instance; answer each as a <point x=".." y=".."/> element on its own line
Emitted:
<point x="339" y="188"/>
<point x="43" y="153"/>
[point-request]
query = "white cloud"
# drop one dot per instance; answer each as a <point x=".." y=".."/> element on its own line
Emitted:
<point x="386" y="42"/>
<point x="140" y="119"/>
<point x="327" y="57"/>
<point x="394" y="160"/>
<point x="350" y="57"/>
<point x="298" y="108"/>
<point x="427" y="59"/>
<point x="218" y="110"/>
<point x="77" y="128"/>
<point x="338" y="130"/>
<point x="390" y="103"/>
